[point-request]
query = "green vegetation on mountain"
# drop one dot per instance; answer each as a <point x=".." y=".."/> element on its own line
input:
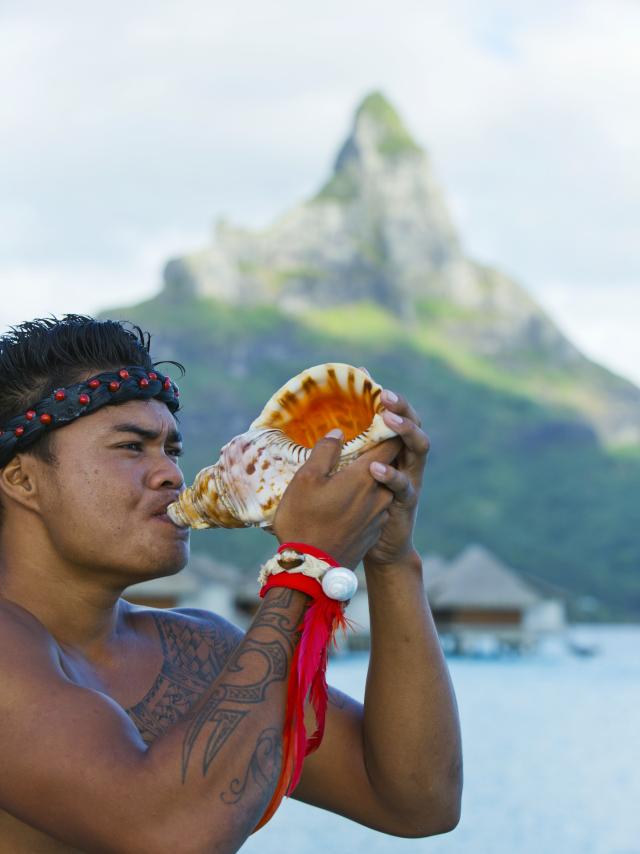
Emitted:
<point x="535" y="448"/>
<point x="529" y="481"/>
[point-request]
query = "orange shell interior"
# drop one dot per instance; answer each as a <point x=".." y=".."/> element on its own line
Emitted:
<point x="320" y="406"/>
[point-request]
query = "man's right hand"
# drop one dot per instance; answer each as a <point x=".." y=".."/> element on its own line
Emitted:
<point x="343" y="513"/>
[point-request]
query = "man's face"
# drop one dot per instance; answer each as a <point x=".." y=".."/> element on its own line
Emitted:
<point x="103" y="502"/>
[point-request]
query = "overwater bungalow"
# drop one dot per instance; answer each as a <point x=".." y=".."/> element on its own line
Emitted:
<point x="482" y="606"/>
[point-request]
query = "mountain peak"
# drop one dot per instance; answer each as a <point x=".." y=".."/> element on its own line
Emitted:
<point x="379" y="154"/>
<point x="377" y="117"/>
<point x="378" y="140"/>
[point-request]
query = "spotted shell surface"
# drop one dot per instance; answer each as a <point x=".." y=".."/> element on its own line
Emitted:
<point x="244" y="487"/>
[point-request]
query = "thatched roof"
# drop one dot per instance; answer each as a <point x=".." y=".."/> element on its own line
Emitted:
<point x="433" y="565"/>
<point x="476" y="579"/>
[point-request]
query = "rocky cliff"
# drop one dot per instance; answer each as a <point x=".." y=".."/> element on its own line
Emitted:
<point x="379" y="232"/>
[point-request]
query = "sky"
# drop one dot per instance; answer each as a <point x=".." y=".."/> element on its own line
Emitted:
<point x="128" y="128"/>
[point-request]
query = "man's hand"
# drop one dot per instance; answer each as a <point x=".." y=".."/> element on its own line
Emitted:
<point x="403" y="479"/>
<point x="341" y="513"/>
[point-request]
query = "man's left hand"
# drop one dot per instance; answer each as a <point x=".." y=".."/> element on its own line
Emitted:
<point x="404" y="479"/>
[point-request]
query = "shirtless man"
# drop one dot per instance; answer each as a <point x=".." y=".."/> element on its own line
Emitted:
<point x="129" y="729"/>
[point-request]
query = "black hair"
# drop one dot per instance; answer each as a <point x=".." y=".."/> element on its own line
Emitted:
<point x="39" y="356"/>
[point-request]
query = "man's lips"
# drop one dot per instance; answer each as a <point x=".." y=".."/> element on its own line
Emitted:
<point x="177" y="529"/>
<point x="162" y="516"/>
<point x="160" y="508"/>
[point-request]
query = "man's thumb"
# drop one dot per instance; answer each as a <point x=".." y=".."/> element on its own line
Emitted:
<point x="325" y="453"/>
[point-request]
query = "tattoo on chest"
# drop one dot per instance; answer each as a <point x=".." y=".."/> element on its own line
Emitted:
<point x="192" y="658"/>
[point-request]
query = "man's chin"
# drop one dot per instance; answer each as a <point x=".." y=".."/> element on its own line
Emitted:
<point x="174" y="562"/>
<point x="169" y="563"/>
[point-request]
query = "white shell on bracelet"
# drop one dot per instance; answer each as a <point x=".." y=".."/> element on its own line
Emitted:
<point x="339" y="583"/>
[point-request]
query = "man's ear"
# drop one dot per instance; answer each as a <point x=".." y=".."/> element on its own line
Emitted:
<point x="19" y="482"/>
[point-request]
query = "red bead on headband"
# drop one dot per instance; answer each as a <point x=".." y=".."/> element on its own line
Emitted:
<point x="64" y="405"/>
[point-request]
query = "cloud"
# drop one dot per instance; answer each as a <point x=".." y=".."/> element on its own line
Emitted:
<point x="38" y="290"/>
<point x="129" y="118"/>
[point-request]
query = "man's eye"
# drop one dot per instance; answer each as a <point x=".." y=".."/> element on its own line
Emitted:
<point x="135" y="446"/>
<point x="175" y="452"/>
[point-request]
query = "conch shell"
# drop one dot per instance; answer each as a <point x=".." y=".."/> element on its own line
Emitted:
<point x="245" y="486"/>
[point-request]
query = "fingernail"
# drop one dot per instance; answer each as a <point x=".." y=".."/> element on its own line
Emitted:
<point x="378" y="468"/>
<point x="389" y="396"/>
<point x="336" y="433"/>
<point x="391" y="416"/>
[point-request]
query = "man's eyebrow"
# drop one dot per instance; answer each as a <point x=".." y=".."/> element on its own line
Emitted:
<point x="174" y="436"/>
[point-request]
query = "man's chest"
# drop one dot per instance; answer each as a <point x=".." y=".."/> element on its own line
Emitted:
<point x="192" y="657"/>
<point x="159" y="681"/>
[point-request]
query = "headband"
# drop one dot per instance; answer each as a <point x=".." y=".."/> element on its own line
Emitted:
<point x="67" y="404"/>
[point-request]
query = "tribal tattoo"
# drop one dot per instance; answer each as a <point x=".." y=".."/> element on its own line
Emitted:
<point x="194" y="653"/>
<point x="227" y="705"/>
<point x="264" y="767"/>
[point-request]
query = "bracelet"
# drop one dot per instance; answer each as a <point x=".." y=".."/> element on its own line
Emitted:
<point x="338" y="582"/>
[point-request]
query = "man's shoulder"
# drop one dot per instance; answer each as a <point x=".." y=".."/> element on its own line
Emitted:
<point x="190" y="626"/>
<point x="200" y="615"/>
<point x="196" y="645"/>
<point x="19" y="624"/>
<point x="206" y="621"/>
<point x="28" y="653"/>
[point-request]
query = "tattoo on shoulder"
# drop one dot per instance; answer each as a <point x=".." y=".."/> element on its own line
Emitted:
<point x="193" y="656"/>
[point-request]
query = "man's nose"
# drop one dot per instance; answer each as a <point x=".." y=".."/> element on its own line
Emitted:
<point x="167" y="474"/>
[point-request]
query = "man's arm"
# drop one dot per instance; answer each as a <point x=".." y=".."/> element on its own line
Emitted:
<point x="411" y="727"/>
<point x="76" y="767"/>
<point x="394" y="764"/>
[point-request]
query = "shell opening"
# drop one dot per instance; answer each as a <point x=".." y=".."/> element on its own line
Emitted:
<point x="307" y="416"/>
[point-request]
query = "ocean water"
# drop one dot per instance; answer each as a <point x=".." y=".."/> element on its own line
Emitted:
<point x="551" y="746"/>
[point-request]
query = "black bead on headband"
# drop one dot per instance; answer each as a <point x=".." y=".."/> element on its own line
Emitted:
<point x="67" y="404"/>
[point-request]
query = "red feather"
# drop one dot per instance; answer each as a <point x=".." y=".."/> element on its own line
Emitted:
<point x="307" y="679"/>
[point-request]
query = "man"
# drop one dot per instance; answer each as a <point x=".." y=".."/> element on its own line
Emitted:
<point x="129" y="729"/>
